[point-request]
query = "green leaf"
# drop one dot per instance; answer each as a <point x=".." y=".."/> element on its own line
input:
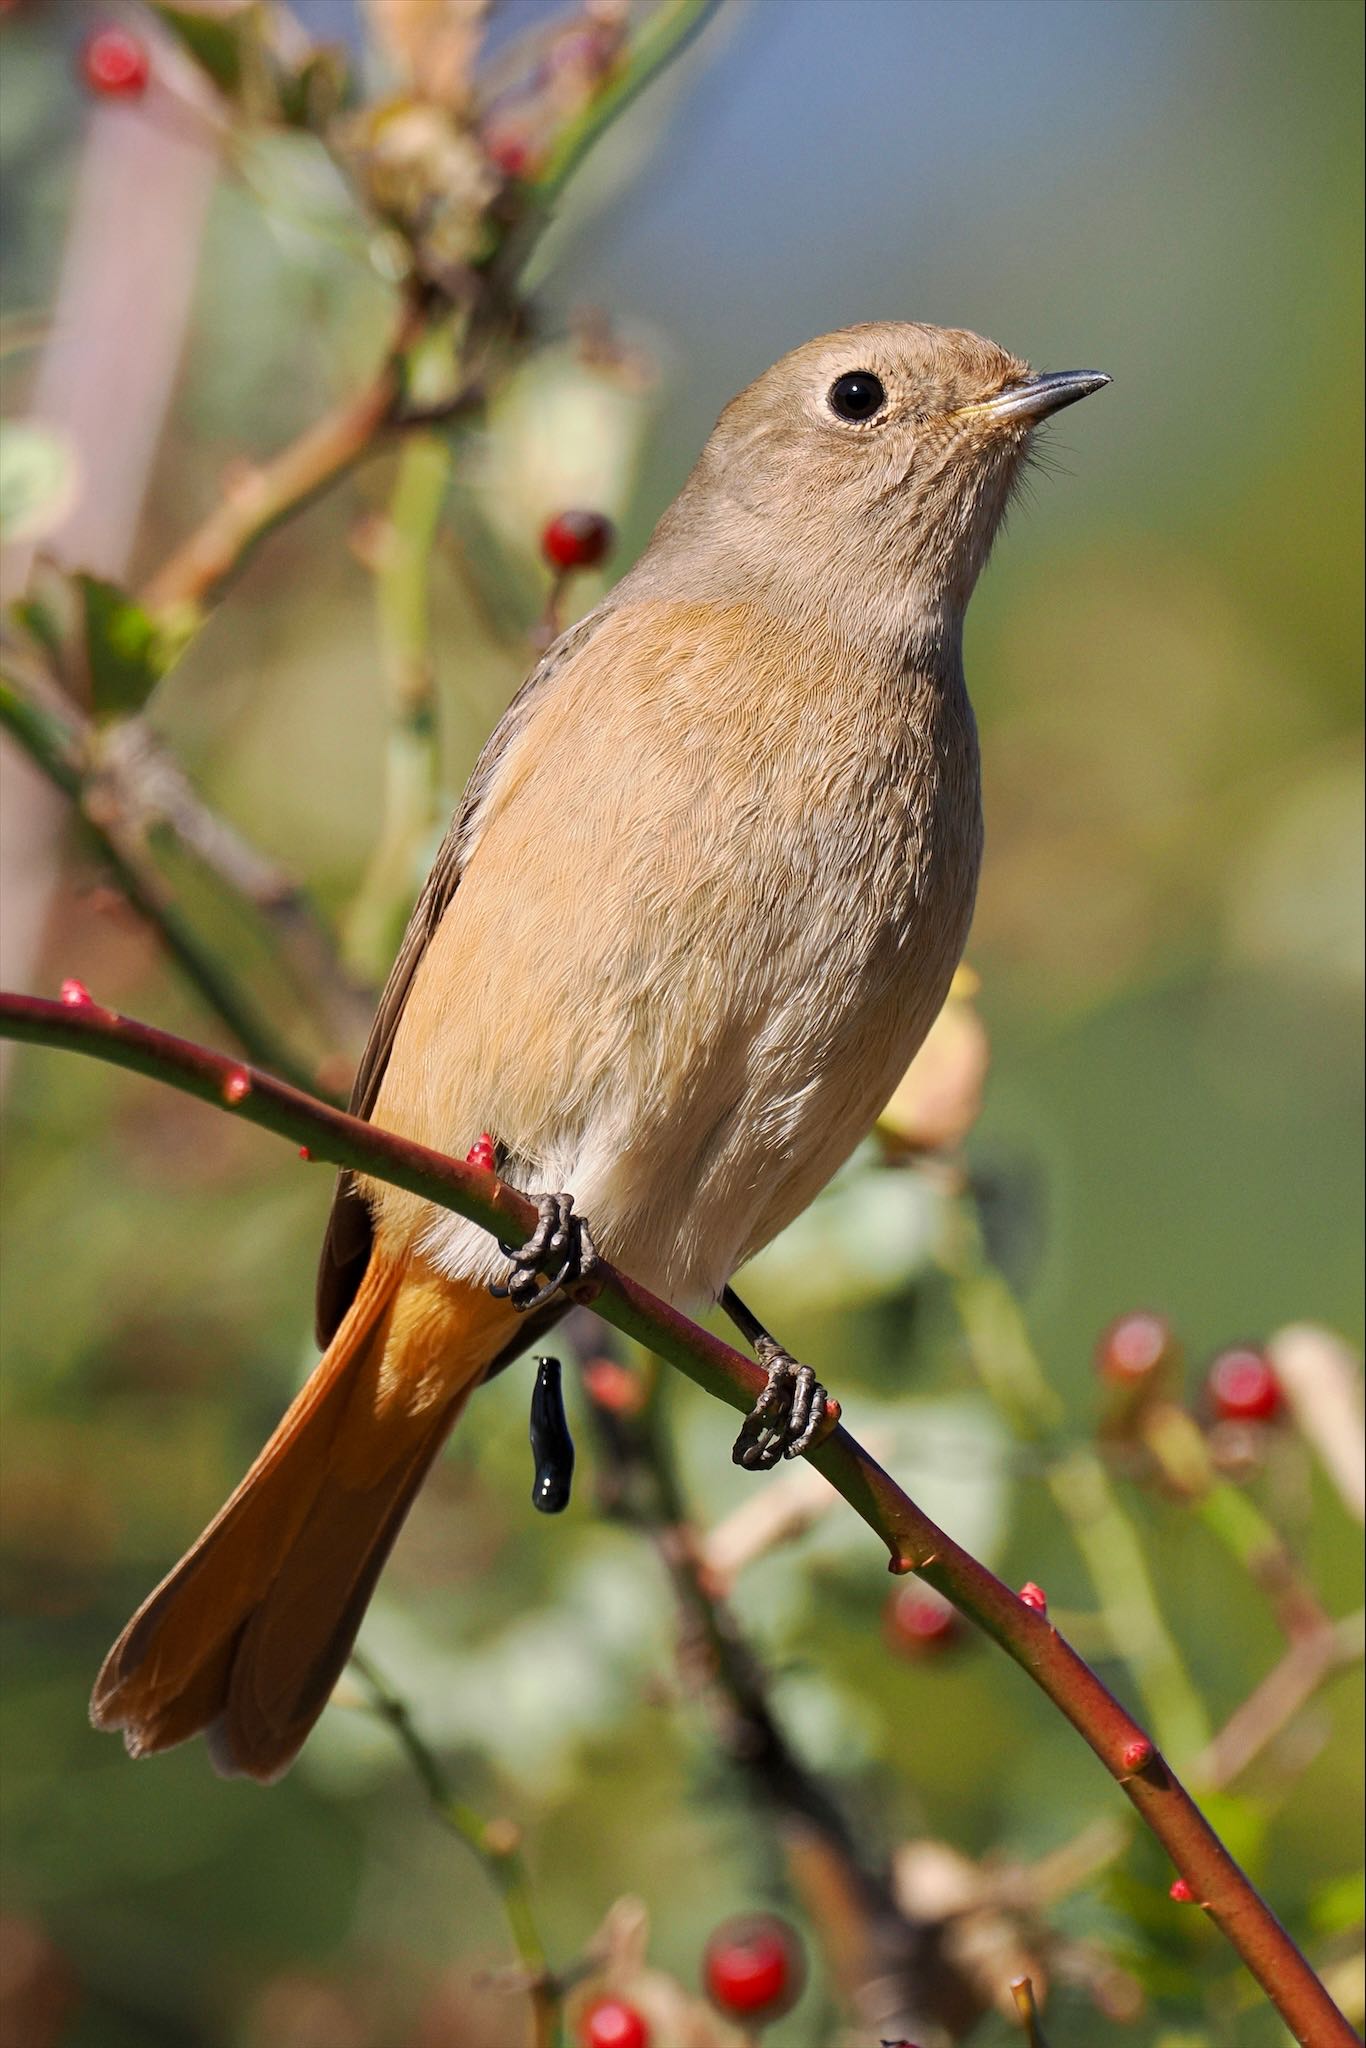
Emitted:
<point x="37" y="620"/>
<point x="322" y="86"/>
<point x="45" y="612"/>
<point x="1339" y="1905"/>
<point x="37" y="480"/>
<point x="215" y="41"/>
<point x="126" y="654"/>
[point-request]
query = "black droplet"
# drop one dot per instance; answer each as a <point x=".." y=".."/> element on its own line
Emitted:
<point x="552" y="1447"/>
<point x="857" y="395"/>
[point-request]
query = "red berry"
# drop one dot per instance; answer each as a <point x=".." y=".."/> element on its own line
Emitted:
<point x="481" y="1153"/>
<point x="1243" y="1388"/>
<point x="614" y="1387"/>
<point x="919" y="1620"/>
<point x="509" y="149"/>
<point x="612" y="2024"/>
<point x="75" y="994"/>
<point x="1133" y="1347"/>
<point x="1034" y="1596"/>
<point x="754" y="1967"/>
<point x="115" y="64"/>
<point x="576" y="540"/>
<point x="1182" y="1893"/>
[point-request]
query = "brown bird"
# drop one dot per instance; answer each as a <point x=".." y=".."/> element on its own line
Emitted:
<point x="699" y="905"/>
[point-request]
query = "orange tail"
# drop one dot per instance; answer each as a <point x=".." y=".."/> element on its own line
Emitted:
<point x="247" y="1636"/>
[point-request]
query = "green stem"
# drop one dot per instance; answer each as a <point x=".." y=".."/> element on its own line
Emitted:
<point x="496" y="1848"/>
<point x="412" y="775"/>
<point x="664" y="37"/>
<point x="1085" y="1496"/>
<point x="913" y="1541"/>
<point x="1231" y="1516"/>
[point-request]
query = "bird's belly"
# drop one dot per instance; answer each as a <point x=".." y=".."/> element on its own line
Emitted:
<point x="817" y="1077"/>
<point x="724" y="1120"/>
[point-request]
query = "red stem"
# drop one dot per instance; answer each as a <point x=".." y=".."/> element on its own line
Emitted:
<point x="914" y="1541"/>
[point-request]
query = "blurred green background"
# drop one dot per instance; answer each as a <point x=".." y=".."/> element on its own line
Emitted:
<point x="1164" y="656"/>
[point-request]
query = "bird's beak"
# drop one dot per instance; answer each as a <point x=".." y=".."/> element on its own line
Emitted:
<point x="1039" y="396"/>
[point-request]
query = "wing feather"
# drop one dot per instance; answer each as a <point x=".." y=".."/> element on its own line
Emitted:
<point x="346" y="1245"/>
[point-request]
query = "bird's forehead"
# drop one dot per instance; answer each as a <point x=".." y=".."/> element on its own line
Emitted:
<point x="939" y="360"/>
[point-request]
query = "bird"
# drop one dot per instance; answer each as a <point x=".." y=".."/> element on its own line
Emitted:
<point x="697" y="908"/>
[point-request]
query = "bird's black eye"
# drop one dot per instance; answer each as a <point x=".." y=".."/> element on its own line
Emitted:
<point x="857" y="395"/>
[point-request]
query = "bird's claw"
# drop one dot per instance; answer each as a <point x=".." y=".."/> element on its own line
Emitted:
<point x="560" y="1247"/>
<point x="788" y="1416"/>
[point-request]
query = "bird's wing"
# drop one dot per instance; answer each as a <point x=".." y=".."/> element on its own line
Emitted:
<point x="346" y="1246"/>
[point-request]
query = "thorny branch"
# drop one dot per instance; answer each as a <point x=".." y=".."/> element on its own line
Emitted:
<point x="913" y="1541"/>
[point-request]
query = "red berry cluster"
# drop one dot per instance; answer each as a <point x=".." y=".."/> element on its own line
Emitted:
<point x="753" y="1970"/>
<point x="576" y="540"/>
<point x="115" y="64"/>
<point x="1138" y="1355"/>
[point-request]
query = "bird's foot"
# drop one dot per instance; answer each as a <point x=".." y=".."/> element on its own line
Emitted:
<point x="560" y="1248"/>
<point x="789" y="1415"/>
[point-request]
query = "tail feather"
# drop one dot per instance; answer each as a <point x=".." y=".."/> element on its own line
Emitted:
<point x="291" y="1652"/>
<point x="247" y="1636"/>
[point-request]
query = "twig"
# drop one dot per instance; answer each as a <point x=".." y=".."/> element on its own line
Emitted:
<point x="495" y="1843"/>
<point x="1022" y="1991"/>
<point x="130" y="790"/>
<point x="152" y="790"/>
<point x="55" y="748"/>
<point x="913" y="1541"/>
<point x="200" y="567"/>
<point x="890" y="1965"/>
<point x="1287" y="1687"/>
<point x="779" y="1513"/>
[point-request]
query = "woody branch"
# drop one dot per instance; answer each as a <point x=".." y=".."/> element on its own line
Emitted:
<point x="913" y="1541"/>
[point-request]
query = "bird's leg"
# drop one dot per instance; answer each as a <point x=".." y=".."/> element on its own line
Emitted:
<point x="788" y="1416"/>
<point x="560" y="1247"/>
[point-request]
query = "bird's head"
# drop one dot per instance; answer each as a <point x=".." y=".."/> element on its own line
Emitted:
<point x="877" y="463"/>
